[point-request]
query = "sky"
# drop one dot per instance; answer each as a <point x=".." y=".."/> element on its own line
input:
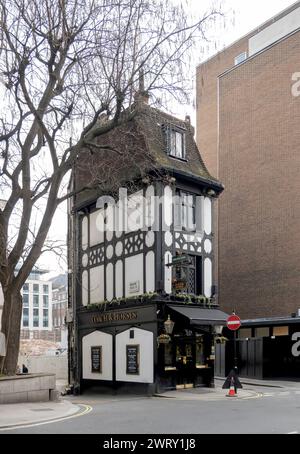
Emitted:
<point x="242" y="16"/>
<point x="250" y="14"/>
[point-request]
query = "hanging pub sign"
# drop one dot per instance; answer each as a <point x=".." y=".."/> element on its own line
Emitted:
<point x="132" y="359"/>
<point x="96" y="359"/>
<point x="180" y="260"/>
<point x="179" y="284"/>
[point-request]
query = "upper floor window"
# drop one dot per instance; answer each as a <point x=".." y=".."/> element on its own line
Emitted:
<point x="188" y="212"/>
<point x="185" y="211"/>
<point x="36" y="288"/>
<point x="45" y="300"/>
<point x="36" y="301"/>
<point x="191" y="275"/>
<point x="240" y="58"/>
<point x="46" y="289"/>
<point x="175" y="141"/>
<point x="177" y="144"/>
<point x="26" y="288"/>
<point x="25" y="318"/>
<point x="25" y="300"/>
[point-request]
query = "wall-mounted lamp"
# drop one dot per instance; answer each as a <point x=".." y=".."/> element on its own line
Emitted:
<point x="211" y="193"/>
<point x="169" y="325"/>
<point x="218" y="329"/>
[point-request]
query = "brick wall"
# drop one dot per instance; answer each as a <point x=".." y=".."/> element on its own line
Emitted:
<point x="259" y="159"/>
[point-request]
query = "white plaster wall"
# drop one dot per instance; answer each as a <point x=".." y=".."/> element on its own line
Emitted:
<point x="119" y="279"/>
<point x="274" y="32"/>
<point x="207" y="216"/>
<point x="150" y="272"/>
<point x="1" y="304"/>
<point x="134" y="273"/>
<point x="97" y="339"/>
<point x="97" y="284"/>
<point x="109" y="282"/>
<point x="145" y="340"/>
<point x="207" y="277"/>
<point x="96" y="227"/>
<point x="84" y="233"/>
<point x="150" y="206"/>
<point x="207" y="246"/>
<point x="168" y="206"/>
<point x="168" y="273"/>
<point x="200" y="214"/>
<point x="84" y="288"/>
<point x="135" y="219"/>
<point x="110" y="222"/>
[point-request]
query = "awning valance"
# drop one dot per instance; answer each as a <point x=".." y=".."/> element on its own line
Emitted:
<point x="199" y="316"/>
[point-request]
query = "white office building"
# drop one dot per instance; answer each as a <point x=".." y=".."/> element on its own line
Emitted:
<point x="37" y="306"/>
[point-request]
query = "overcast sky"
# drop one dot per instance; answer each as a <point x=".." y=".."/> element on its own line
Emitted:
<point x="243" y="16"/>
<point x="250" y="14"/>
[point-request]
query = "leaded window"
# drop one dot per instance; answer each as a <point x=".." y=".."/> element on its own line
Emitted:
<point x="185" y="211"/>
<point x="190" y="274"/>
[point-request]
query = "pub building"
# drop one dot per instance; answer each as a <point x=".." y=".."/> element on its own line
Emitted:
<point x="143" y="308"/>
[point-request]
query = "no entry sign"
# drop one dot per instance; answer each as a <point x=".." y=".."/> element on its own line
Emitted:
<point x="233" y="322"/>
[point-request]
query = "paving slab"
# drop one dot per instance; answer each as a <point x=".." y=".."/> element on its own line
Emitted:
<point x="207" y="394"/>
<point x="275" y="383"/>
<point x="31" y="413"/>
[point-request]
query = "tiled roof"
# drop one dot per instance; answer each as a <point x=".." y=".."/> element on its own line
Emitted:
<point x="151" y="123"/>
<point x="140" y="146"/>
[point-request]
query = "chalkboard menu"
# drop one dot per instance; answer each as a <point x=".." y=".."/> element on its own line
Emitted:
<point x="132" y="359"/>
<point x="96" y="357"/>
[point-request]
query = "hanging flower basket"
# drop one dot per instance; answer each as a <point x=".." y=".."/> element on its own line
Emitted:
<point x="164" y="339"/>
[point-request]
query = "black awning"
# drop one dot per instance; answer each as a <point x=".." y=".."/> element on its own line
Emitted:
<point x="199" y="316"/>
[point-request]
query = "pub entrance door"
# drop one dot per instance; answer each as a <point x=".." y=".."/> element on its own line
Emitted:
<point x="185" y="362"/>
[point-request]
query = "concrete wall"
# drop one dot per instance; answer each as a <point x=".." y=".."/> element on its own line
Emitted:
<point x="57" y="365"/>
<point x="26" y="388"/>
<point x="279" y="29"/>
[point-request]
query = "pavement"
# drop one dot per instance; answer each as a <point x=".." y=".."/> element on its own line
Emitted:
<point x="275" y="383"/>
<point x="206" y="394"/>
<point x="18" y="415"/>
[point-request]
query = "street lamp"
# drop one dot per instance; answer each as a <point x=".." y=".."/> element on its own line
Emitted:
<point x="169" y="325"/>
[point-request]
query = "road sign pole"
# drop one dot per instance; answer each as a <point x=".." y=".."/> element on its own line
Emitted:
<point x="234" y="323"/>
<point x="235" y="352"/>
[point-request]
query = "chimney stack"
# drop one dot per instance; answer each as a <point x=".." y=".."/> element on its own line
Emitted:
<point x="189" y="125"/>
<point x="142" y="95"/>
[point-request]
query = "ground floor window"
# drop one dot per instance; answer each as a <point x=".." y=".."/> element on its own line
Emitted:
<point x="190" y="275"/>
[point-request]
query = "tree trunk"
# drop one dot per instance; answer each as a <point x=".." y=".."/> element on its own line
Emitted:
<point x="11" y="322"/>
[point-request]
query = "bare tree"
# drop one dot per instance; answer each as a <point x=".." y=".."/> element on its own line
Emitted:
<point x="63" y="64"/>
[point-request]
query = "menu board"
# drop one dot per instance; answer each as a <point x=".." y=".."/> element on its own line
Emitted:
<point x="132" y="359"/>
<point x="96" y="357"/>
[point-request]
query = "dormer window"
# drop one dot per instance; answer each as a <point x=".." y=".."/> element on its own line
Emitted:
<point x="177" y="148"/>
<point x="175" y="140"/>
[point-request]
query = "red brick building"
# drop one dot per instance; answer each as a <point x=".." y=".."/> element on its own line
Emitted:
<point x="248" y="132"/>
